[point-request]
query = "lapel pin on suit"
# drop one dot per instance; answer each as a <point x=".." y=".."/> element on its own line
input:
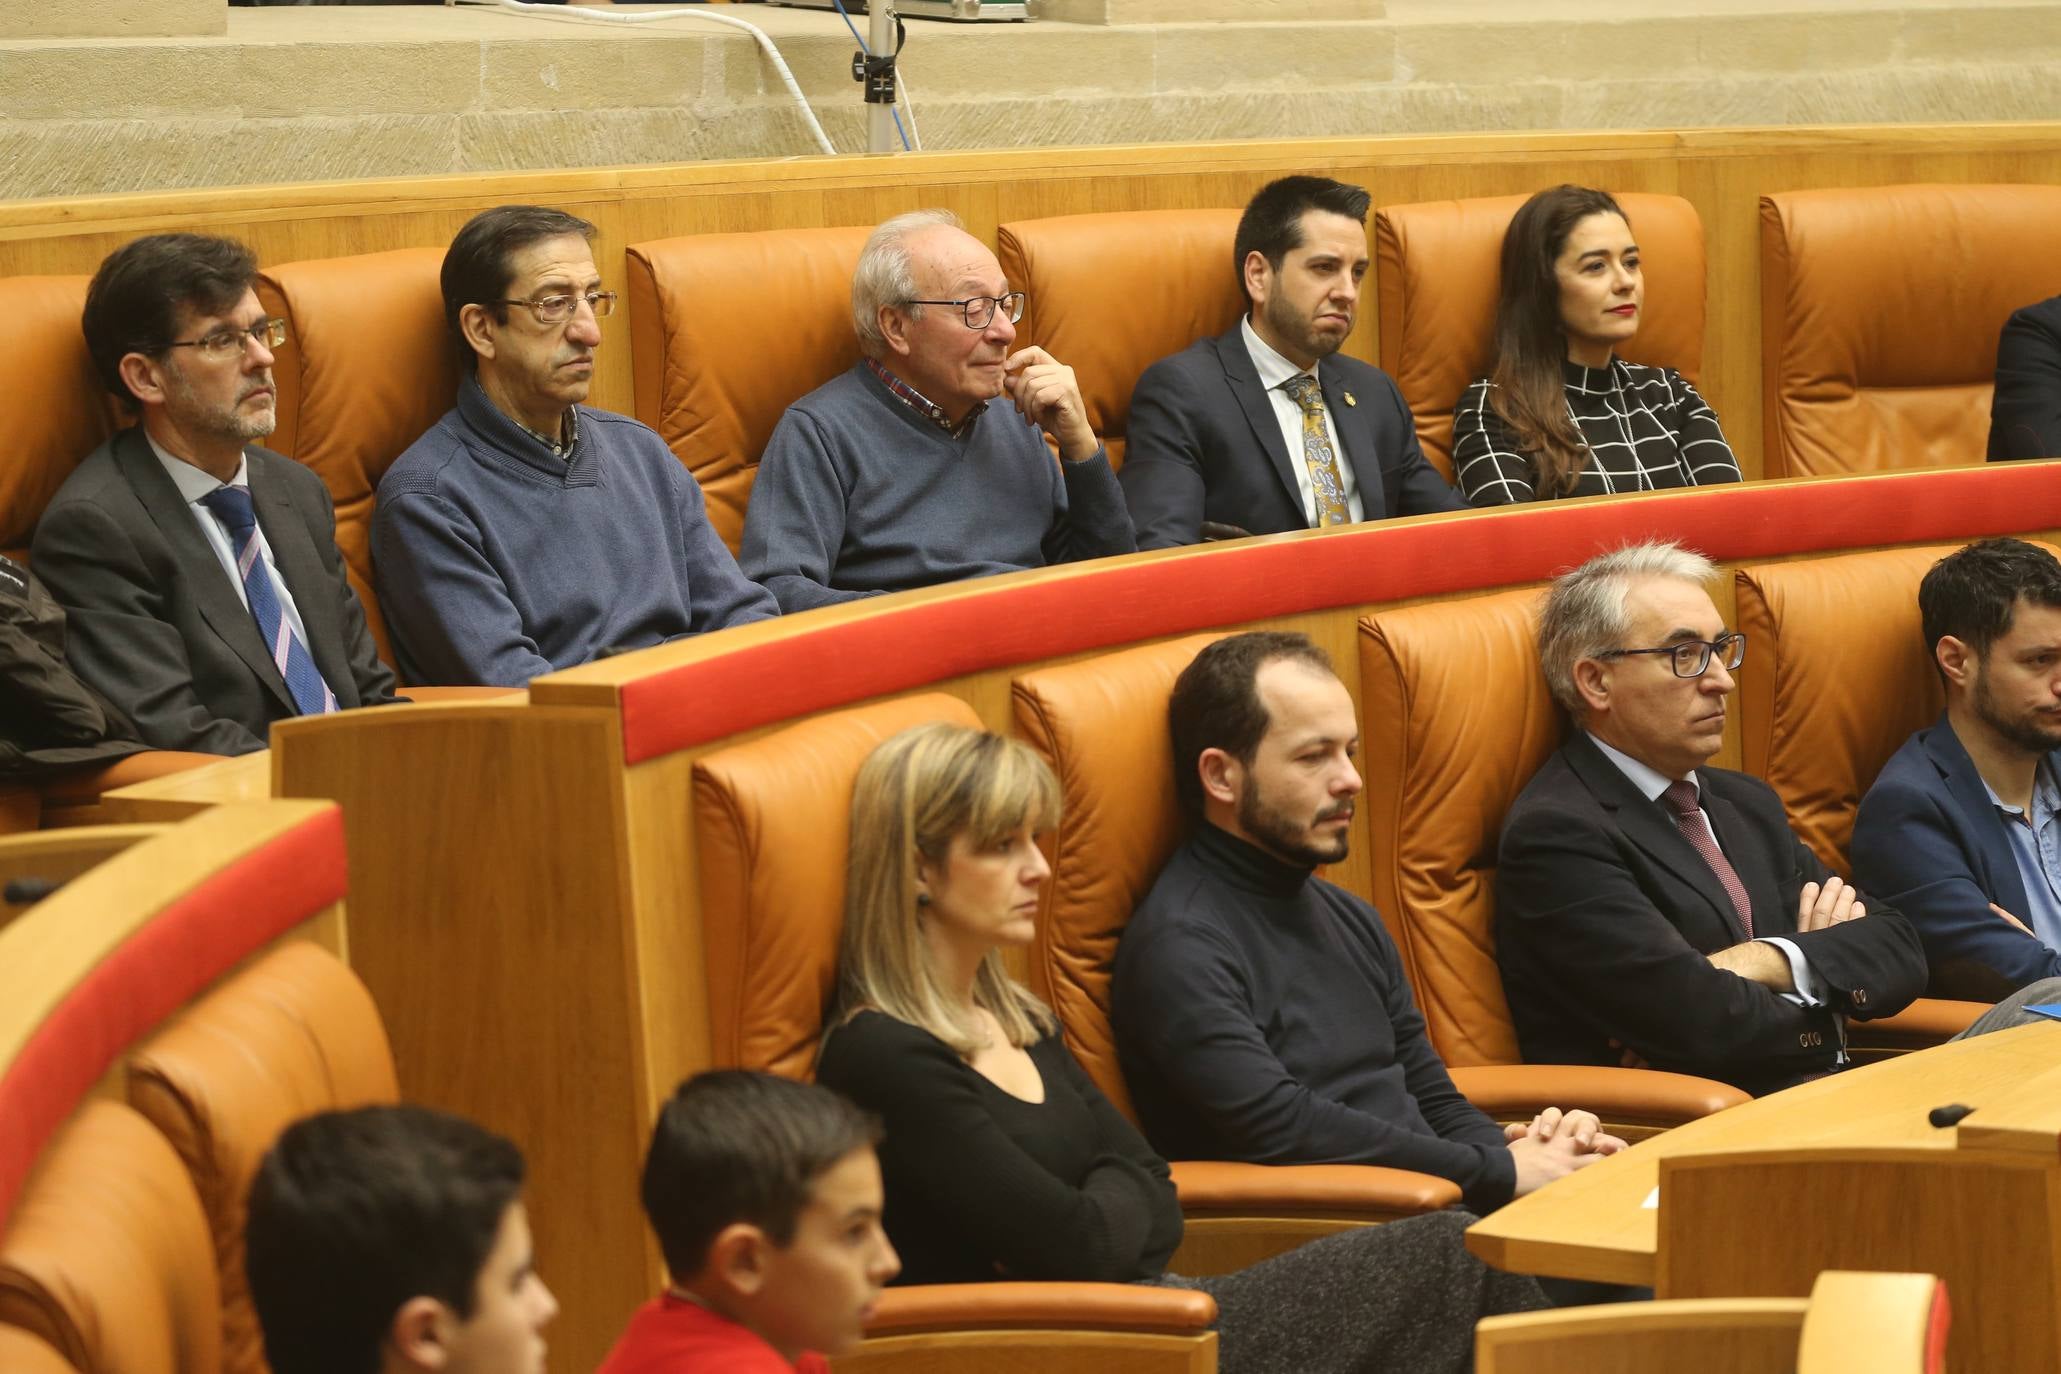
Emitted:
<point x="1350" y="400"/>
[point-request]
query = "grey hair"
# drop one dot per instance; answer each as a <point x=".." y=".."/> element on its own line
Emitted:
<point x="1585" y="614"/>
<point x="886" y="275"/>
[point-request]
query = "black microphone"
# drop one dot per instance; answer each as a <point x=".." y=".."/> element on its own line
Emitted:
<point x="1949" y="1115"/>
<point x="29" y="891"/>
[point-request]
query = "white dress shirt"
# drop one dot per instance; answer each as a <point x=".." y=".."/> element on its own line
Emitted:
<point x="194" y="484"/>
<point x="1651" y="783"/>
<point x="1276" y="372"/>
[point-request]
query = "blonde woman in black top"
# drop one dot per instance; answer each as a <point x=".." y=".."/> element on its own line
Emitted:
<point x="1562" y="414"/>
<point x="1002" y="1159"/>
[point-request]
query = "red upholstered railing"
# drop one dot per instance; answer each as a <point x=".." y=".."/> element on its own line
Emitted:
<point x="159" y="968"/>
<point x="1031" y="618"/>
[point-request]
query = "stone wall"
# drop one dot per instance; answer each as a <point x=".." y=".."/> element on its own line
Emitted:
<point x="295" y="94"/>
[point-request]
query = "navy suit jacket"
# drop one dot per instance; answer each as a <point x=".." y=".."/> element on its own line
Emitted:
<point x="157" y="626"/>
<point x="1203" y="444"/>
<point x="1930" y="841"/>
<point x="1605" y="913"/>
<point x="2025" y="411"/>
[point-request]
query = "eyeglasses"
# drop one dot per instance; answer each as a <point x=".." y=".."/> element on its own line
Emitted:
<point x="1691" y="657"/>
<point x="559" y="309"/>
<point x="230" y="342"/>
<point x="980" y="310"/>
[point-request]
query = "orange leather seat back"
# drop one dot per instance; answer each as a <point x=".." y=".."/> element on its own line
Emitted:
<point x="366" y="369"/>
<point x="1455" y="718"/>
<point x="57" y="411"/>
<point x="293" y="1034"/>
<point x="1837" y="676"/>
<point x="1880" y="312"/>
<point x="726" y="332"/>
<point x="21" y="1353"/>
<point x="1101" y="724"/>
<point x="1438" y="268"/>
<point x="1109" y="295"/>
<point x="772" y="820"/>
<point x="106" y="1255"/>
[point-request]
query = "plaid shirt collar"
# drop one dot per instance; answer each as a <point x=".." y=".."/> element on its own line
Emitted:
<point x="562" y="452"/>
<point x="922" y="405"/>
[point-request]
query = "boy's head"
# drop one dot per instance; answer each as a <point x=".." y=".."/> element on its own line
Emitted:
<point x="388" y="1239"/>
<point x="766" y="1198"/>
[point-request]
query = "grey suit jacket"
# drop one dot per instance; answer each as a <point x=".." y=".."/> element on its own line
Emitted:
<point x="157" y="627"/>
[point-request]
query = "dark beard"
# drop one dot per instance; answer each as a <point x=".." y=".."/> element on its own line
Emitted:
<point x="1274" y="831"/>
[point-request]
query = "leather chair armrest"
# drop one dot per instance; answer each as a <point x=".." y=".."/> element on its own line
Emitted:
<point x="84" y="786"/>
<point x="427" y="695"/>
<point x="1927" y="1021"/>
<point x="1641" y="1097"/>
<point x="1042" y="1306"/>
<point x="1333" y="1190"/>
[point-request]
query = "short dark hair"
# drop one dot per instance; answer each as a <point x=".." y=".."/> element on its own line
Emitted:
<point x="1272" y="222"/>
<point x="352" y="1214"/>
<point x="1216" y="703"/>
<point x="1972" y="593"/>
<point x="731" y="1146"/>
<point x="479" y="266"/>
<point x="134" y="301"/>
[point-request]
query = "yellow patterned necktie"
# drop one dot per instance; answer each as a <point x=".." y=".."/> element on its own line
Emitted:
<point x="1317" y="454"/>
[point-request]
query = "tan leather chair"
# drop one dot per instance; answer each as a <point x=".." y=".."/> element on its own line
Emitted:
<point x="1111" y="294"/>
<point x="772" y="819"/>
<point x="21" y="1353"/>
<point x="1885" y="1323"/>
<point x="1438" y="266"/>
<point x="366" y="369"/>
<point x="105" y="1255"/>
<point x="57" y="415"/>
<point x="1837" y="676"/>
<point x="1100" y="723"/>
<point x="1455" y="718"/>
<point x="293" y="1034"/>
<point x="727" y="331"/>
<point x="1880" y="312"/>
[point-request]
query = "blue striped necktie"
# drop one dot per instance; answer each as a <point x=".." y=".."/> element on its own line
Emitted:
<point x="311" y="695"/>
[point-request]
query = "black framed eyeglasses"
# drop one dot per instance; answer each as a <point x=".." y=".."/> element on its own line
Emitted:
<point x="980" y="310"/>
<point x="558" y="309"/>
<point x="229" y="341"/>
<point x="1691" y="657"/>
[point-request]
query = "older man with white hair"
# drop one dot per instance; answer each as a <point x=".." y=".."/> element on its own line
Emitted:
<point x="901" y="472"/>
<point x="1650" y="909"/>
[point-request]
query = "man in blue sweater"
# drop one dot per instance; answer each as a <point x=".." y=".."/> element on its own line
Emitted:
<point x="901" y="473"/>
<point x="526" y="532"/>
<point x="1261" y="1013"/>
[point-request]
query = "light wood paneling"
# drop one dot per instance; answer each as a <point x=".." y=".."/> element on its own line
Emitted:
<point x="1723" y="172"/>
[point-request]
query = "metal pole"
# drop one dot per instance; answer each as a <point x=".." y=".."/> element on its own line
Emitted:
<point x="880" y="39"/>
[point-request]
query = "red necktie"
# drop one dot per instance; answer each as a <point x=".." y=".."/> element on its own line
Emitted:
<point x="1680" y="799"/>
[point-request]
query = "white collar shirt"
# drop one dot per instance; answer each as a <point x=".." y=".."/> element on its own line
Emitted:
<point x="1275" y="372"/>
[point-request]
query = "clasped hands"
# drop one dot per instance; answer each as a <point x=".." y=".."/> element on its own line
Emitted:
<point x="1555" y="1144"/>
<point x="1044" y="392"/>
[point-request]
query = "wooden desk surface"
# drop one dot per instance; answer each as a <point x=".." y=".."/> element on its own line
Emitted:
<point x="247" y="777"/>
<point x="1592" y="1225"/>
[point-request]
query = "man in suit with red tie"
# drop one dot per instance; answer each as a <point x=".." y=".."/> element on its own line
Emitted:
<point x="1652" y="909"/>
<point x="1268" y="427"/>
<point x="205" y="591"/>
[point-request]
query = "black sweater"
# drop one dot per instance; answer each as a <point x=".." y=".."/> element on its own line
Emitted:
<point x="1262" y="1014"/>
<point x="984" y="1185"/>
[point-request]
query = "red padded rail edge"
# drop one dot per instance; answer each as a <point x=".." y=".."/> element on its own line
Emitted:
<point x="1936" y="1330"/>
<point x="1129" y="601"/>
<point x="156" y="971"/>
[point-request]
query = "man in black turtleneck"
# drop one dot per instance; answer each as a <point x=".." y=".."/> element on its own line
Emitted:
<point x="1262" y="1013"/>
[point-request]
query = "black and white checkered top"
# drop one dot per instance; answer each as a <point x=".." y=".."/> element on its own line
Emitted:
<point x="1646" y="428"/>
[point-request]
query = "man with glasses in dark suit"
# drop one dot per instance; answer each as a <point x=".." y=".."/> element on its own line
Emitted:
<point x="910" y="469"/>
<point x="1654" y="911"/>
<point x="205" y="592"/>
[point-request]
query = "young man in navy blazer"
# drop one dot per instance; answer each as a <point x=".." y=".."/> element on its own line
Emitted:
<point x="1267" y="427"/>
<point x="1963" y="829"/>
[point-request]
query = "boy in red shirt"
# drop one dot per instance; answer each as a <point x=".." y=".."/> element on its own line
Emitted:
<point x="766" y="1198"/>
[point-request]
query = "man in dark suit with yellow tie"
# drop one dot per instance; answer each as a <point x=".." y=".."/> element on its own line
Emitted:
<point x="200" y="572"/>
<point x="1267" y="427"/>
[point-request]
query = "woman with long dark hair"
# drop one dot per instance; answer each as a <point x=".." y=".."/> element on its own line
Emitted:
<point x="1562" y="414"/>
<point x="1001" y="1157"/>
